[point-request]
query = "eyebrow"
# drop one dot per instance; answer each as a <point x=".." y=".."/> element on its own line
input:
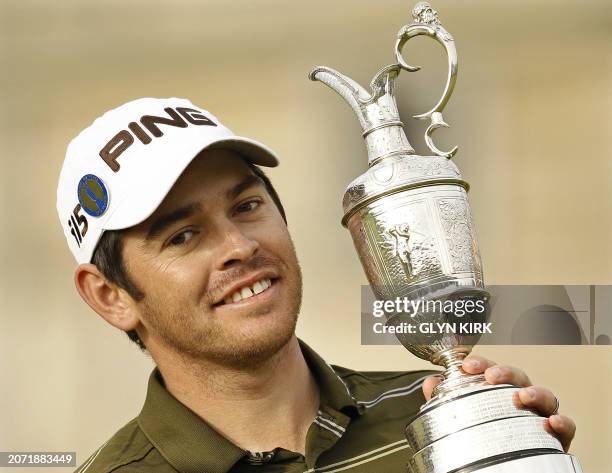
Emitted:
<point x="163" y="222"/>
<point x="249" y="181"/>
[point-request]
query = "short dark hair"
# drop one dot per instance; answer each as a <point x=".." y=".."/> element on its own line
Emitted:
<point x="108" y="255"/>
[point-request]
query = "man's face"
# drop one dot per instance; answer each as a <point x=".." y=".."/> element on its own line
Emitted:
<point x="216" y="238"/>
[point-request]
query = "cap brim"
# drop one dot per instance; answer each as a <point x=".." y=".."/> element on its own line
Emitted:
<point x="252" y="150"/>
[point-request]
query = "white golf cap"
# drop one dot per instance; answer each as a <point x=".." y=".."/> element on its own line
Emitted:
<point x="118" y="170"/>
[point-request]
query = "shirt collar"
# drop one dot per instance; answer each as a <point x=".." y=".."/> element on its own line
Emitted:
<point x="333" y="390"/>
<point x="190" y="445"/>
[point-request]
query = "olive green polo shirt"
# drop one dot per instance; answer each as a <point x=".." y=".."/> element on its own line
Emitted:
<point x="359" y="429"/>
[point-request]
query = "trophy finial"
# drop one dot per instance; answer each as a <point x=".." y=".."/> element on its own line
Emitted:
<point x="423" y="12"/>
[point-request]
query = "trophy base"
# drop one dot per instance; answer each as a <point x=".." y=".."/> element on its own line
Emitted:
<point x="483" y="427"/>
<point x="537" y="463"/>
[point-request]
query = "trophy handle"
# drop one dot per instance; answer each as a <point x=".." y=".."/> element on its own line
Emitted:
<point x="427" y="23"/>
<point x="438" y="122"/>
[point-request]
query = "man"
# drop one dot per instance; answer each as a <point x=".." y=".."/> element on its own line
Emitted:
<point x="182" y="243"/>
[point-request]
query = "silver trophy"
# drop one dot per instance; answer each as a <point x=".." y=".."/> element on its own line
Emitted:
<point x="410" y="221"/>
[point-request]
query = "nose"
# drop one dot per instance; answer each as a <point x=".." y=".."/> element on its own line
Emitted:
<point x="236" y="247"/>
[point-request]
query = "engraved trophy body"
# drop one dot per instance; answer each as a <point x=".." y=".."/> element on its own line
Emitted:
<point x="411" y="224"/>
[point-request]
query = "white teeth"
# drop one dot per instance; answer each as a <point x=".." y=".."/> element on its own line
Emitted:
<point x="257" y="288"/>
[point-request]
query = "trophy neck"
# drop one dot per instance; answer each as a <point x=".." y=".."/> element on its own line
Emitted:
<point x="386" y="140"/>
<point x="451" y="359"/>
<point x="454" y="377"/>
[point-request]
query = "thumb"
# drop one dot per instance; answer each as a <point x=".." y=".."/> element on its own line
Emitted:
<point x="429" y="384"/>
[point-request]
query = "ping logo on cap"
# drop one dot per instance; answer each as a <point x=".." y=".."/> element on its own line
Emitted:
<point x="179" y="117"/>
<point x="92" y="195"/>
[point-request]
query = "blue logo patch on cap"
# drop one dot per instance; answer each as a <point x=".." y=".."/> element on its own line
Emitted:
<point x="93" y="195"/>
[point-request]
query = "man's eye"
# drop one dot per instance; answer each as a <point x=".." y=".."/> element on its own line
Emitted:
<point x="248" y="206"/>
<point x="181" y="238"/>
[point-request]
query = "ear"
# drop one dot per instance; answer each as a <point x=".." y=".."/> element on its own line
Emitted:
<point x="111" y="302"/>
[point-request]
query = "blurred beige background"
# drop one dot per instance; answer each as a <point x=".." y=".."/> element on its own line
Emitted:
<point x="531" y="113"/>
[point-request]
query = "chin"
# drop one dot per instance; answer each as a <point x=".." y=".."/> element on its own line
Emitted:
<point x="252" y="335"/>
<point x="252" y="347"/>
<point x="245" y="342"/>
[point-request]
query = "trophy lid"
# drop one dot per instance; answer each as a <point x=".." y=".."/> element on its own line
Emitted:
<point x="398" y="173"/>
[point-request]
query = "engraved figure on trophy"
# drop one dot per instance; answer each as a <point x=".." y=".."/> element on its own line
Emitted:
<point x="401" y="234"/>
<point x="410" y="220"/>
<point x="414" y="251"/>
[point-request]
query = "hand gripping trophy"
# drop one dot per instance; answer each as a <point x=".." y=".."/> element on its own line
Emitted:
<point x="410" y="221"/>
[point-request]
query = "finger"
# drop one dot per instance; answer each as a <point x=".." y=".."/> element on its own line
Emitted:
<point x="499" y="374"/>
<point x="564" y="428"/>
<point x="475" y="364"/>
<point x="539" y="398"/>
<point x="429" y="384"/>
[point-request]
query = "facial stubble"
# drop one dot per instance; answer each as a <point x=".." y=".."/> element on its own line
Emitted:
<point x="212" y="341"/>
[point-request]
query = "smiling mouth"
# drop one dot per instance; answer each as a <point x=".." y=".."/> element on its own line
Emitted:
<point x="246" y="292"/>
